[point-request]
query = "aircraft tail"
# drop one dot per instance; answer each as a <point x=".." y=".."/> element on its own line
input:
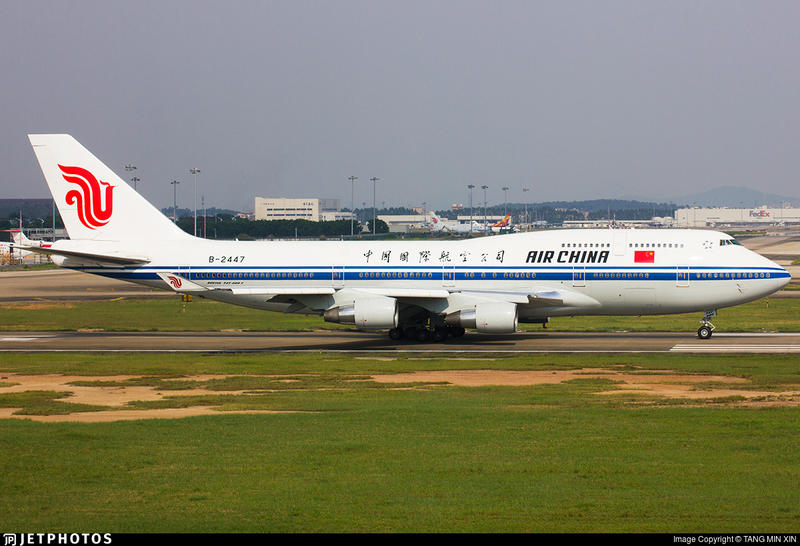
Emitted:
<point x="93" y="201"/>
<point x="504" y="222"/>
<point x="19" y="238"/>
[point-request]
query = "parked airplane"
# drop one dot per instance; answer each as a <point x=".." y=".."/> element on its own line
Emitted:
<point x="420" y="289"/>
<point x="503" y="223"/>
<point x="503" y="226"/>
<point x="437" y="225"/>
<point x="13" y="248"/>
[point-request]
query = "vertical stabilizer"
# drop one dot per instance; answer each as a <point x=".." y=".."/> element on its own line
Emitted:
<point x="93" y="201"/>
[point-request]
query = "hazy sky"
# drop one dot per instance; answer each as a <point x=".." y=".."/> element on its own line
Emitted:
<point x="572" y="99"/>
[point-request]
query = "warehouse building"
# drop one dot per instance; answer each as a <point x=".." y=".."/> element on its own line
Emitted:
<point x="706" y="217"/>
<point x="312" y="209"/>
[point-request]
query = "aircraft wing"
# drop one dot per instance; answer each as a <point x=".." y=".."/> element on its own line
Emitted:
<point x="538" y="298"/>
<point x="87" y="258"/>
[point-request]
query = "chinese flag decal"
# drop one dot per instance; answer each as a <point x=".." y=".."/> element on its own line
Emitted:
<point x="644" y="256"/>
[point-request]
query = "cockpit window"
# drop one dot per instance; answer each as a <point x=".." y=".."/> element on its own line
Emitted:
<point x="723" y="242"/>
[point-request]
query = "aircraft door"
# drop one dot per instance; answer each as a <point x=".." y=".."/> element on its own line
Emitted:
<point x="185" y="271"/>
<point x="337" y="276"/>
<point x="579" y="275"/>
<point x="448" y="275"/>
<point x="682" y="275"/>
<point x="620" y="244"/>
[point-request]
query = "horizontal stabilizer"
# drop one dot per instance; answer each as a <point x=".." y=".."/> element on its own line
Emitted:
<point x="181" y="284"/>
<point x="87" y="258"/>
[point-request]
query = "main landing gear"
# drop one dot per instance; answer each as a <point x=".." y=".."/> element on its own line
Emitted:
<point x="704" y="332"/>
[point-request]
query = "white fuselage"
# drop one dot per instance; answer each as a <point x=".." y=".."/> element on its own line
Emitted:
<point x="606" y="272"/>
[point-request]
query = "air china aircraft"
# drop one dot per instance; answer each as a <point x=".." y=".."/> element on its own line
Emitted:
<point x="13" y="248"/>
<point x="437" y="224"/>
<point x="417" y="289"/>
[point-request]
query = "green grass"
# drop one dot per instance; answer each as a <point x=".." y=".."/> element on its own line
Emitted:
<point x="168" y="314"/>
<point x="366" y="457"/>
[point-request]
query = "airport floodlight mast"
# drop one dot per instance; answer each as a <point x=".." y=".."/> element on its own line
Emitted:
<point x="527" y="220"/>
<point x="135" y="179"/>
<point x="175" y="200"/>
<point x="195" y="172"/>
<point x="484" y="188"/>
<point x="470" y="187"/>
<point x="374" y="211"/>
<point x="352" y="180"/>
<point x="505" y="200"/>
<point x="131" y="167"/>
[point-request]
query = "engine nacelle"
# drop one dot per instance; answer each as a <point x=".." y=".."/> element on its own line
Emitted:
<point x="367" y="313"/>
<point x="489" y="317"/>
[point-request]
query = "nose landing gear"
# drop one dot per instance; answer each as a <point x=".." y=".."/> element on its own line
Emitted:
<point x="704" y="332"/>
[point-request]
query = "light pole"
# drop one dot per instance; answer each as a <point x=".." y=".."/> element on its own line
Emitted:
<point x="470" y="187"/>
<point x="484" y="187"/>
<point x="505" y="200"/>
<point x="374" y="210"/>
<point x="203" y="204"/>
<point x="527" y="220"/>
<point x="195" y="172"/>
<point x="174" y="200"/>
<point x="352" y="180"/>
<point x="131" y="167"/>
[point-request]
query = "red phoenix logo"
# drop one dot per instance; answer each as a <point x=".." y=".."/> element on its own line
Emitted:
<point x="95" y="203"/>
<point x="174" y="281"/>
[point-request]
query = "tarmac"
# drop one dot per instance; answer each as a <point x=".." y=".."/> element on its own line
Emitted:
<point x="379" y="343"/>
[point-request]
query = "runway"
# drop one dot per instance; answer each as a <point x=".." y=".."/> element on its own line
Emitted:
<point x="379" y="343"/>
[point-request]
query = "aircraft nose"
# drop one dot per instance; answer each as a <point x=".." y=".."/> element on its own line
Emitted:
<point x="784" y="273"/>
<point x="779" y="273"/>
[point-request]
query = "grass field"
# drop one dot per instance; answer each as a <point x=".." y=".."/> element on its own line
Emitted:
<point x="346" y="453"/>
<point x="356" y="455"/>
<point x="167" y="314"/>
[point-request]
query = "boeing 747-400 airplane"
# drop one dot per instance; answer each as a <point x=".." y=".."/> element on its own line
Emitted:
<point x="417" y="289"/>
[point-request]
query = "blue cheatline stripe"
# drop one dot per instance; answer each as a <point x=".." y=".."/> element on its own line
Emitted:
<point x="434" y="268"/>
<point x="440" y="267"/>
<point x="495" y="274"/>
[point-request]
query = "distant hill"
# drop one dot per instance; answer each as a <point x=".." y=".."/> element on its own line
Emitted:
<point x="600" y="205"/>
<point x="30" y="208"/>
<point x="735" y="197"/>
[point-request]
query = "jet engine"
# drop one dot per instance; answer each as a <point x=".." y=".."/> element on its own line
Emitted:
<point x="489" y="317"/>
<point x="368" y="313"/>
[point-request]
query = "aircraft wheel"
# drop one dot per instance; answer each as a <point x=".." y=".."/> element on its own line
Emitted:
<point x="423" y="335"/>
<point x="410" y="333"/>
<point x="439" y="335"/>
<point x="457" y="331"/>
<point x="396" y="333"/>
<point x="704" y="332"/>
